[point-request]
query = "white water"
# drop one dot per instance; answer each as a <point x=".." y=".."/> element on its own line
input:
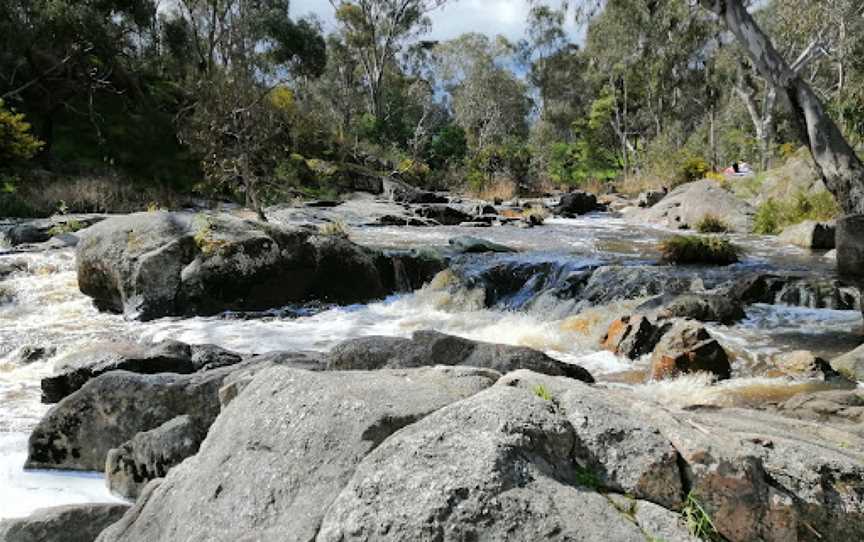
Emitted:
<point x="48" y="310"/>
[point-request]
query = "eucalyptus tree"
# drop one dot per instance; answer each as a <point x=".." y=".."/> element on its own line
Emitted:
<point x="376" y="31"/>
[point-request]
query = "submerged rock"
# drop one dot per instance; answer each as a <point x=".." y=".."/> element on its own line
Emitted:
<point x="149" y="265"/>
<point x="810" y="234"/>
<point x="71" y="523"/>
<point x="429" y="348"/>
<point x="281" y="452"/>
<point x="688" y="348"/>
<point x="466" y="244"/>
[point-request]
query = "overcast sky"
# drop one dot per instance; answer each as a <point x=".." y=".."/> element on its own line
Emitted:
<point x="507" y="17"/>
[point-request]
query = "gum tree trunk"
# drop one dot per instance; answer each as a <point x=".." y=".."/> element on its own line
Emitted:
<point x="841" y="169"/>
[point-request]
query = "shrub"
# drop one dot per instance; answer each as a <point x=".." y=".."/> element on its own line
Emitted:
<point x="541" y="392"/>
<point x="692" y="169"/>
<point x="16" y="141"/>
<point x="773" y="216"/>
<point x="70" y="226"/>
<point x="712" y="224"/>
<point x="695" y="249"/>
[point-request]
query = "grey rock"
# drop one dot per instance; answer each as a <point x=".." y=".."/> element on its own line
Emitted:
<point x="429" y="348"/>
<point x="804" y="364"/>
<point x="475" y="224"/>
<point x="78" y="432"/>
<point x="632" y="336"/>
<point x="283" y="449"/>
<point x="650" y="198"/>
<point x="496" y="466"/>
<point x="799" y="291"/>
<point x="851" y="364"/>
<point x="836" y="406"/>
<point x="151" y="454"/>
<point x="689" y="203"/>
<point x="72" y="523"/>
<point x="465" y="244"/>
<point x="446" y="215"/>
<point x="30" y="353"/>
<point x="810" y="234"/>
<point x="149" y="265"/>
<point x="75" y="369"/>
<point x="613" y="442"/>
<point x="658" y="523"/>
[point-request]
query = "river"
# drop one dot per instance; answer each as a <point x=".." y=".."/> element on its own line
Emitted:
<point x="43" y="307"/>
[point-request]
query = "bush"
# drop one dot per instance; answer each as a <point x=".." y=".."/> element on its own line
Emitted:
<point x="774" y="216"/>
<point x="692" y="169"/>
<point x="16" y="141"/>
<point x="695" y="249"/>
<point x="712" y="224"/>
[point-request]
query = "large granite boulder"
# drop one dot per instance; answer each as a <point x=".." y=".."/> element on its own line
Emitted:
<point x="497" y="466"/>
<point x="851" y="364"/>
<point x="284" y="448"/>
<point x="149" y="265"/>
<point x="810" y="234"/>
<point x="72" y="523"/>
<point x="688" y="204"/>
<point x="687" y="347"/>
<point x="428" y="348"/>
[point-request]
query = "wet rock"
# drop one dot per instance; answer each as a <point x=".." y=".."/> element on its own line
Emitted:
<point x="71" y="523"/>
<point x="689" y="203"/>
<point x="618" y="446"/>
<point x="151" y="454"/>
<point x="404" y="220"/>
<point x="471" y="245"/>
<point x="149" y="265"/>
<point x="206" y="357"/>
<point x="282" y="451"/>
<point x="632" y="336"/>
<point x="496" y="466"/>
<point x="475" y="224"/>
<point x="688" y="348"/>
<point x="429" y="348"/>
<point x="10" y="267"/>
<point x="843" y="406"/>
<point x="804" y="364"/>
<point x="810" y="234"/>
<point x="75" y="369"/>
<point x="851" y="364"/>
<point x="650" y="198"/>
<point x="446" y="215"/>
<point x="575" y="204"/>
<point x="720" y="308"/>
<point x="613" y="283"/>
<point x="796" y="291"/>
<point x="30" y="353"/>
<point x="78" y="432"/>
<point x="42" y="230"/>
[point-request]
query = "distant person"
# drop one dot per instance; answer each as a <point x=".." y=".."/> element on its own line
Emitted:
<point x="735" y="168"/>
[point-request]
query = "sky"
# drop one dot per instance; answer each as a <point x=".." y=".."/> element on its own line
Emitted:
<point x="506" y="17"/>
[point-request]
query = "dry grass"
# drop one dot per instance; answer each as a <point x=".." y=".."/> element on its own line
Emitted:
<point x="695" y="249"/>
<point x="712" y="224"/>
<point x="635" y="185"/>
<point x="334" y="229"/>
<point x="500" y="189"/>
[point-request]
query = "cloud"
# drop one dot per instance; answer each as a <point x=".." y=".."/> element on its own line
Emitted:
<point x="492" y="17"/>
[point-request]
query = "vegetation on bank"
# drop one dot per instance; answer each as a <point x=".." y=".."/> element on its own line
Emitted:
<point x="696" y="249"/>
<point x="773" y="216"/>
<point x="136" y="116"/>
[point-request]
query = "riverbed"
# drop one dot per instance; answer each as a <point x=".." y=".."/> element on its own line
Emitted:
<point x="43" y="307"/>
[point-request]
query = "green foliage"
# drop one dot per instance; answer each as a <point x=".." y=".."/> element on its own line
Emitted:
<point x="16" y="141"/>
<point x="414" y="172"/>
<point x="698" y="521"/>
<point x="448" y="146"/>
<point x="712" y="224"/>
<point x="692" y="169"/>
<point x="511" y="161"/>
<point x="541" y="392"/>
<point x="694" y="249"/>
<point x="587" y="478"/>
<point x="773" y="216"/>
<point x="69" y="226"/>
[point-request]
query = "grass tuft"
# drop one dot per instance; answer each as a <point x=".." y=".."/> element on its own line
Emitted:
<point x="541" y="392"/>
<point x="712" y="224"/>
<point x="695" y="249"/>
<point x="773" y="216"/>
<point x="334" y="229"/>
<point x="697" y="519"/>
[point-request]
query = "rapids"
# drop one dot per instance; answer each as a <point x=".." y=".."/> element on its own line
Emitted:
<point x="40" y="305"/>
